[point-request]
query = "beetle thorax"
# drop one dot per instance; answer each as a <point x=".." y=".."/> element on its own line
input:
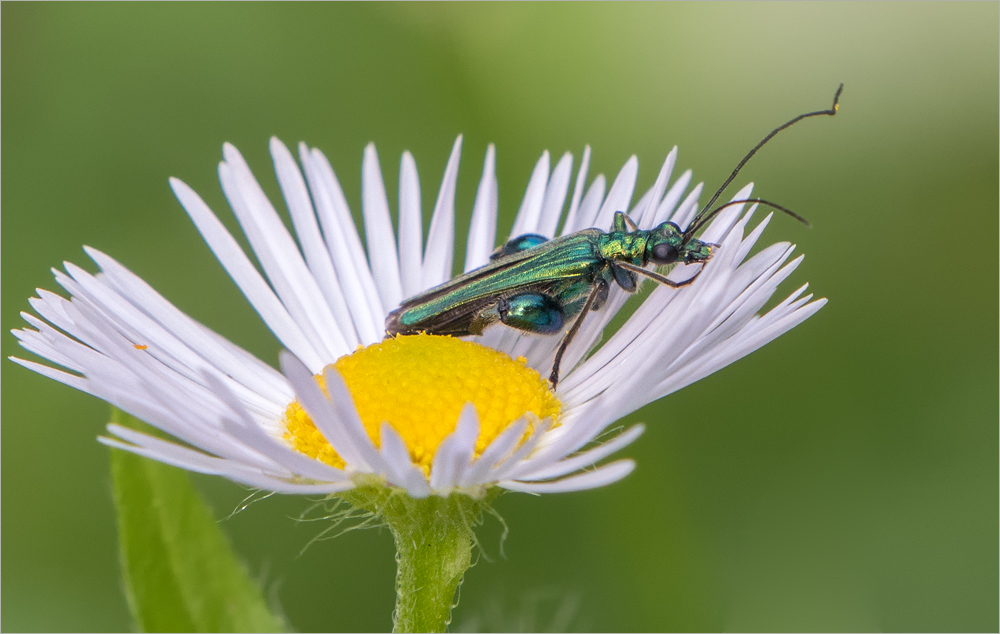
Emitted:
<point x="623" y="247"/>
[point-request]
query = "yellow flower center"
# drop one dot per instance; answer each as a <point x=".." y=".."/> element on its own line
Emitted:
<point x="419" y="383"/>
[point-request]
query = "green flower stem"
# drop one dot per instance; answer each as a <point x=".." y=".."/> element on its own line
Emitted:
<point x="434" y="538"/>
<point x="433" y="551"/>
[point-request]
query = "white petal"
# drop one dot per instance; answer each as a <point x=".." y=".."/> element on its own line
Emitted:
<point x="495" y="452"/>
<point x="411" y="232"/>
<point x="41" y="338"/>
<point x="748" y="242"/>
<point x="254" y="288"/>
<point x="666" y="207"/>
<point x="242" y="427"/>
<point x="350" y="421"/>
<point x="278" y="255"/>
<point x="587" y="216"/>
<point x="168" y="349"/>
<point x="71" y="380"/>
<point x="555" y="197"/>
<point x="585" y="459"/>
<point x="483" y="226"/>
<point x="378" y="231"/>
<point x="722" y="223"/>
<point x="187" y="459"/>
<point x="301" y="465"/>
<point x="440" y="237"/>
<point x="402" y="471"/>
<point x="687" y="209"/>
<point x="540" y="427"/>
<point x="531" y="207"/>
<point x="644" y="216"/>
<point x="578" y="428"/>
<point x="608" y="474"/>
<point x="220" y="352"/>
<point x="175" y="455"/>
<point x="747" y="344"/>
<point x="170" y="450"/>
<point x="620" y="194"/>
<point x="267" y="483"/>
<point x="571" y="224"/>
<point x="293" y="187"/>
<point x="327" y="417"/>
<point x="344" y="246"/>
<point x="454" y="455"/>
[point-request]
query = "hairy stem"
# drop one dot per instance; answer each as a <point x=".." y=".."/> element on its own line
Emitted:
<point x="434" y="538"/>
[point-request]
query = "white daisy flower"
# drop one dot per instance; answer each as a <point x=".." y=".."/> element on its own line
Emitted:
<point x="430" y="415"/>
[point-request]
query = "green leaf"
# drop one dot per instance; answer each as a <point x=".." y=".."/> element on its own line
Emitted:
<point x="180" y="572"/>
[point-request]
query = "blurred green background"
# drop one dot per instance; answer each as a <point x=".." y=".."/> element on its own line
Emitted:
<point x="845" y="477"/>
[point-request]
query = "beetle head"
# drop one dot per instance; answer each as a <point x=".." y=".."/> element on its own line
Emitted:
<point x="666" y="245"/>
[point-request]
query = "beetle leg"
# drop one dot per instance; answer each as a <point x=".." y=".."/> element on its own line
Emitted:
<point x="657" y="277"/>
<point x="602" y="295"/>
<point x="600" y="290"/>
<point x="532" y="312"/>
<point x="625" y="279"/>
<point x="623" y="223"/>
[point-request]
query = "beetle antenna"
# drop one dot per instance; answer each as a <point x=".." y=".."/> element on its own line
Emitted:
<point x="692" y="228"/>
<point x="704" y="214"/>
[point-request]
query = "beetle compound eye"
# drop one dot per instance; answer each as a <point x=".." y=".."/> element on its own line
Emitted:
<point x="664" y="253"/>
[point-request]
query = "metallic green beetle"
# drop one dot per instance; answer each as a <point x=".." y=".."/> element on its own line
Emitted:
<point x="538" y="285"/>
